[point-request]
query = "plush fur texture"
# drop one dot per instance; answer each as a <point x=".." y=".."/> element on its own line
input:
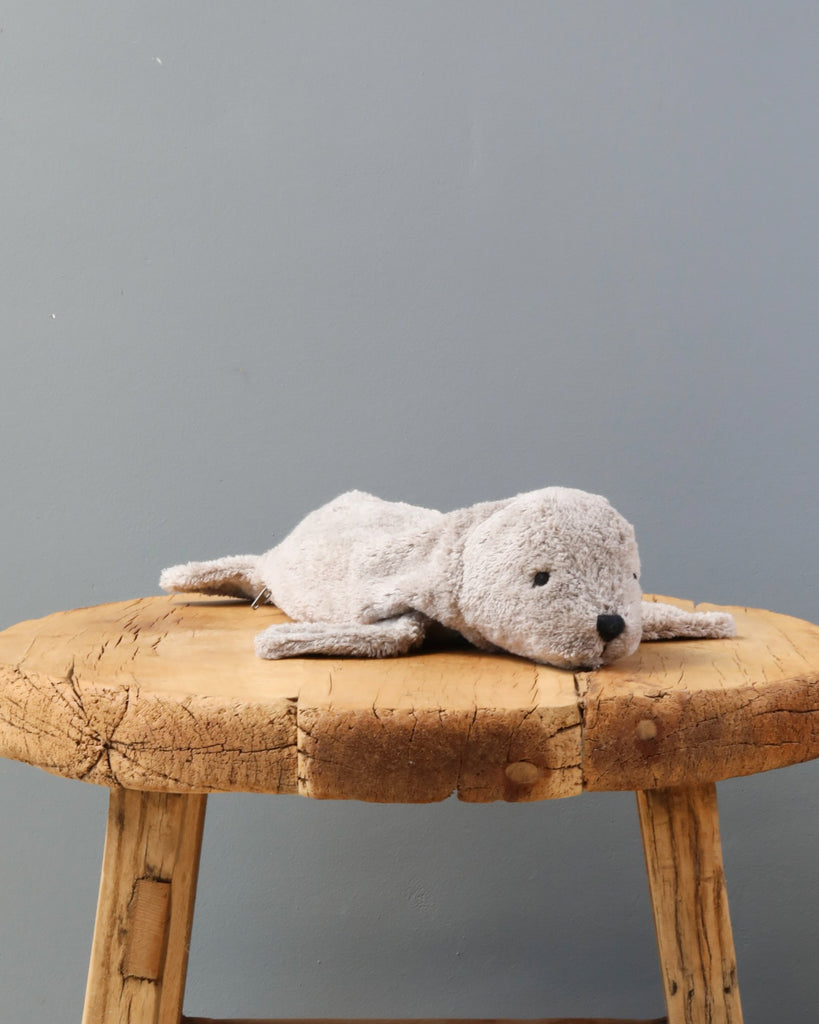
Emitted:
<point x="551" y="575"/>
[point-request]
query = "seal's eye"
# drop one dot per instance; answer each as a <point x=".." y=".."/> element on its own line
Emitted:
<point x="540" y="579"/>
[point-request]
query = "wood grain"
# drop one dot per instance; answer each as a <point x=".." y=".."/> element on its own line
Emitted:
<point x="146" y="925"/>
<point x="165" y="694"/>
<point x="147" y="891"/>
<point x="681" y="841"/>
<point x="421" y="728"/>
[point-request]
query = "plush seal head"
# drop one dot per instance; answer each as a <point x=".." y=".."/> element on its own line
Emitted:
<point x="554" y="575"/>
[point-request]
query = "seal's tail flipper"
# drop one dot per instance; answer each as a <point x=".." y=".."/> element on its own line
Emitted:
<point x="235" y="576"/>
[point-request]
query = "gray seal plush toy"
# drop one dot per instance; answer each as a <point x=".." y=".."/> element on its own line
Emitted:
<point x="552" y="575"/>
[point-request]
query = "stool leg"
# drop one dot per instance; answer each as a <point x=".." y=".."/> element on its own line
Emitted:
<point x="139" y="955"/>
<point x="680" y="830"/>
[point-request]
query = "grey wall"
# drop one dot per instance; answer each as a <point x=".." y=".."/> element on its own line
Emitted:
<point x="256" y="254"/>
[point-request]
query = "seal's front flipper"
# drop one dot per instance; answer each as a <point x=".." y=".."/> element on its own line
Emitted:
<point x="347" y="639"/>
<point x="234" y="576"/>
<point x="667" y="622"/>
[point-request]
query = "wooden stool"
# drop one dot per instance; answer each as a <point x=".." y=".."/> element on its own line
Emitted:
<point x="163" y="701"/>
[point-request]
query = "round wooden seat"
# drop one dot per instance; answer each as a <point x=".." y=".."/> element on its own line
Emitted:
<point x="163" y="700"/>
<point x="166" y="694"/>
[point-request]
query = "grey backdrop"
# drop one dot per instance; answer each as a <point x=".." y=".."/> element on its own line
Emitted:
<point x="254" y="254"/>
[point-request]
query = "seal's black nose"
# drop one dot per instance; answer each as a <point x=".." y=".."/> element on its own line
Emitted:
<point x="610" y="626"/>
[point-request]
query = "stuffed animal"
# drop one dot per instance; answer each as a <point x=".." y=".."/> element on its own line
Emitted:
<point x="552" y="575"/>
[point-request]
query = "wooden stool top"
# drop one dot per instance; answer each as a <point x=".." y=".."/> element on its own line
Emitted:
<point x="166" y="694"/>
